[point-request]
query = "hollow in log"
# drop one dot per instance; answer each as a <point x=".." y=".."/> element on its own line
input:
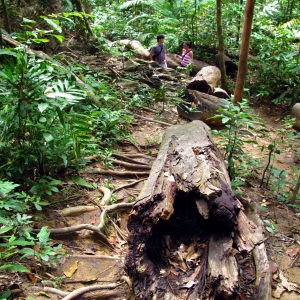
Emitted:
<point x="182" y="227"/>
<point x="205" y="80"/>
<point x="206" y="105"/>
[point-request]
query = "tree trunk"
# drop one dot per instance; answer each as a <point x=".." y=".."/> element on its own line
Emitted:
<point x="221" y="46"/>
<point x="205" y="80"/>
<point x="185" y="224"/>
<point x="80" y="9"/>
<point x="242" y="69"/>
<point x="6" y="17"/>
<point x="230" y="66"/>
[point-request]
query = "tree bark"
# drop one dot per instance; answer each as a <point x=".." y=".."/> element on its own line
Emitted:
<point x="221" y="46"/>
<point x="6" y="17"/>
<point x="205" y="80"/>
<point x="242" y="69"/>
<point x="187" y="209"/>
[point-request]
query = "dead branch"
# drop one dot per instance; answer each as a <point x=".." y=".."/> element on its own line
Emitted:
<point x="116" y="173"/>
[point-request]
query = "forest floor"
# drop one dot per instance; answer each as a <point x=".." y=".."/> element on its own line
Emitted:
<point x="93" y="262"/>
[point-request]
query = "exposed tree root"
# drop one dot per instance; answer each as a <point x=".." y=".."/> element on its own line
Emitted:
<point x="152" y="120"/>
<point x="135" y="166"/>
<point x="116" y="173"/>
<point x="106" y="195"/>
<point x="125" y="157"/>
<point x="91" y="288"/>
<point x="141" y="155"/>
<point x="127" y="185"/>
<point x="69" y="211"/>
<point x="97" y="229"/>
<point x="80" y="291"/>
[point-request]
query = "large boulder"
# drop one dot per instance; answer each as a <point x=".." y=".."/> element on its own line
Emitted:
<point x="295" y="113"/>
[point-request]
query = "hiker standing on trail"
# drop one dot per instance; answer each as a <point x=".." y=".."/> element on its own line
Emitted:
<point x="187" y="54"/>
<point x="158" y="52"/>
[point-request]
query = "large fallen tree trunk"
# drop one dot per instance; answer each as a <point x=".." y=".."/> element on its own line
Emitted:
<point x="185" y="228"/>
<point x="205" y="80"/>
<point x="206" y="105"/>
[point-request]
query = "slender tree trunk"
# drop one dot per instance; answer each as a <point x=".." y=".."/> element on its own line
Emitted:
<point x="6" y="17"/>
<point x="80" y="9"/>
<point x="295" y="191"/>
<point x="221" y="46"/>
<point x="242" y="70"/>
<point x="240" y="2"/>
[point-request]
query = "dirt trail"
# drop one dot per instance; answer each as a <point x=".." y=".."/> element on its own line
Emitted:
<point x="86" y="248"/>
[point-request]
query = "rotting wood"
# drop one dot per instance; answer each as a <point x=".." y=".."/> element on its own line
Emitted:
<point x="205" y="80"/>
<point x="169" y="212"/>
<point x="220" y="93"/>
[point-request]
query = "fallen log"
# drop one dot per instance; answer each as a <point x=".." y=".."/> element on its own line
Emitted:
<point x="206" y="107"/>
<point x="220" y="93"/>
<point x="230" y="66"/>
<point x="182" y="226"/>
<point x="205" y="80"/>
<point x="174" y="62"/>
<point x="137" y="47"/>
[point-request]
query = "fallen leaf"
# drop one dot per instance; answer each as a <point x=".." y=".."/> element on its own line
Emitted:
<point x="279" y="290"/>
<point x="31" y="277"/>
<point x="44" y="294"/>
<point x="274" y="267"/>
<point x="72" y="270"/>
<point x="189" y="284"/>
<point x="171" y="178"/>
<point x="36" y="247"/>
<point x="293" y="252"/>
<point x="290" y="286"/>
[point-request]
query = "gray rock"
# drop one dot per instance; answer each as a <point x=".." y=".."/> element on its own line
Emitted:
<point x="295" y="113"/>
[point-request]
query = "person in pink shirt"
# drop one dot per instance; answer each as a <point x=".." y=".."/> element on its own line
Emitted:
<point x="187" y="54"/>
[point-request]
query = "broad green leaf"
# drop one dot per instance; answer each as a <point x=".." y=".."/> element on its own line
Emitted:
<point x="63" y="95"/>
<point x="8" y="52"/>
<point x="5" y="229"/>
<point x="58" y="37"/>
<point x="25" y="20"/>
<point x="15" y="268"/>
<point x="80" y="181"/>
<point x="48" y="137"/>
<point x="54" y="24"/>
<point x="43" y="106"/>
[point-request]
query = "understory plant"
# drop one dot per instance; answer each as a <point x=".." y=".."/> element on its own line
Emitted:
<point x="16" y="232"/>
<point x="238" y="121"/>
